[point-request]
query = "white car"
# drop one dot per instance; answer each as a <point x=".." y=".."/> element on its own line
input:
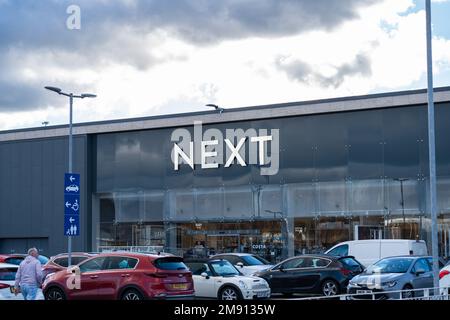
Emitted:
<point x="7" y="279"/>
<point x="219" y="279"/>
<point x="444" y="279"/>
<point x="246" y="263"/>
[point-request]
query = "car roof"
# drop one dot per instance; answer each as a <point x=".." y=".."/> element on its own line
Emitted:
<point x="203" y="260"/>
<point x="239" y="254"/>
<point x="9" y="255"/>
<point x="132" y="255"/>
<point x="74" y="254"/>
<point x="320" y="255"/>
<point x="8" y="265"/>
<point x="408" y="256"/>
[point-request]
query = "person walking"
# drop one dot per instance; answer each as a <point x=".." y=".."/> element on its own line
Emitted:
<point x="29" y="275"/>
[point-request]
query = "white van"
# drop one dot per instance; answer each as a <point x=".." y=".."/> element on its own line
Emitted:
<point x="370" y="251"/>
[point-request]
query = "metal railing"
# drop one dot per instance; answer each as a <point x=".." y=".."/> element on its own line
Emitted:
<point x="435" y="293"/>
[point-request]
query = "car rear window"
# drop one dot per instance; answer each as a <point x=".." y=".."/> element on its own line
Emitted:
<point x="350" y="263"/>
<point x="170" y="263"/>
<point x="14" y="260"/>
<point x="8" y="274"/>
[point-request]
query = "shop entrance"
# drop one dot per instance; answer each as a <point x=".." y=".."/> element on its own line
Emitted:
<point x="220" y="243"/>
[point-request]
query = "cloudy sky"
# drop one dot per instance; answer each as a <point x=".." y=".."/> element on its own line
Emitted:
<point x="154" y="57"/>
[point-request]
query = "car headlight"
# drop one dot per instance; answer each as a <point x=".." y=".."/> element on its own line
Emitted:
<point x="242" y="284"/>
<point x="389" y="284"/>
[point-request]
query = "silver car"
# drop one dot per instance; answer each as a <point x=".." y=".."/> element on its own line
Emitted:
<point x="393" y="274"/>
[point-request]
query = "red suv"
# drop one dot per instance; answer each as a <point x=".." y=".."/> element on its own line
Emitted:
<point x="60" y="262"/>
<point x="123" y="276"/>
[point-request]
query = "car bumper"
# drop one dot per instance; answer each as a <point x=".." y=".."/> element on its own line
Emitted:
<point x="180" y="297"/>
<point x="375" y="293"/>
<point x="255" y="294"/>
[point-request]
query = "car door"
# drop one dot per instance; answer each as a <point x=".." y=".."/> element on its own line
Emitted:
<point x="281" y="276"/>
<point x="308" y="273"/>
<point x="203" y="286"/>
<point x="116" y="273"/>
<point x="423" y="279"/>
<point x="90" y="271"/>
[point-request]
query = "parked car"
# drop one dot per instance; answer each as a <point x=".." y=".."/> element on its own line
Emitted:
<point x="17" y="258"/>
<point x="444" y="278"/>
<point x="61" y="261"/>
<point x="218" y="278"/>
<point x="246" y="263"/>
<point x="124" y="276"/>
<point x="7" y="279"/>
<point x="370" y="251"/>
<point x="393" y="274"/>
<point x="313" y="274"/>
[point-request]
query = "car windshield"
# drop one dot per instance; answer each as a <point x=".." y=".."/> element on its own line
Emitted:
<point x="224" y="268"/>
<point x="390" y="265"/>
<point x="254" y="260"/>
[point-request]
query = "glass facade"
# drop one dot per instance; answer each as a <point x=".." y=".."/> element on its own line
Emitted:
<point x="342" y="176"/>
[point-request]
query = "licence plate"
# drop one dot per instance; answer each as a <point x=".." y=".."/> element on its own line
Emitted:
<point x="262" y="294"/>
<point x="179" y="286"/>
<point x="364" y="291"/>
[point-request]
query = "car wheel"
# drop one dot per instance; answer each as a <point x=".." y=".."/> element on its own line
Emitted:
<point x="132" y="294"/>
<point x="330" y="288"/>
<point x="230" y="293"/>
<point x="408" y="293"/>
<point x="55" y="294"/>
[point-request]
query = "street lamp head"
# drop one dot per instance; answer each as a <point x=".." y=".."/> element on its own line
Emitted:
<point x="88" y="95"/>
<point x="54" y="89"/>
<point x="215" y="106"/>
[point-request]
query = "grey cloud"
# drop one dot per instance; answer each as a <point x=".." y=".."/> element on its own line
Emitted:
<point x="118" y="32"/>
<point x="32" y="23"/>
<point x="303" y="72"/>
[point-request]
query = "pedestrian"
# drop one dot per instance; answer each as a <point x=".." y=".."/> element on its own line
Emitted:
<point x="29" y="276"/>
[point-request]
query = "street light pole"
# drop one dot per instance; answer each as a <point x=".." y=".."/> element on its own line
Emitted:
<point x="71" y="97"/>
<point x="69" y="240"/>
<point x="432" y="148"/>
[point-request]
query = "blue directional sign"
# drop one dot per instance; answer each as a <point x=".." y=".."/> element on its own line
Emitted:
<point x="72" y="204"/>
<point x="72" y="183"/>
<point x="72" y="225"/>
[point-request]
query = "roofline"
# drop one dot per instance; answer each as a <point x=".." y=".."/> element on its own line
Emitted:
<point x="319" y="106"/>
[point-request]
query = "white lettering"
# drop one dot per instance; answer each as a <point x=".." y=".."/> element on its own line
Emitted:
<point x="261" y="141"/>
<point x="178" y="152"/>
<point x="235" y="152"/>
<point x="209" y="154"/>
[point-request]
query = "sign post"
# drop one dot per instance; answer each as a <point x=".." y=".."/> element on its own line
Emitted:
<point x="71" y="208"/>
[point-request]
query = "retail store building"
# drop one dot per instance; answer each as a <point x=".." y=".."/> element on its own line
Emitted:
<point x="306" y="176"/>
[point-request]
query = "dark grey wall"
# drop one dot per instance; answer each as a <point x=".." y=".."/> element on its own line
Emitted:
<point x="356" y="145"/>
<point x="31" y="194"/>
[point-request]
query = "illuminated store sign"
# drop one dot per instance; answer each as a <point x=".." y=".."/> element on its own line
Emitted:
<point x="210" y="149"/>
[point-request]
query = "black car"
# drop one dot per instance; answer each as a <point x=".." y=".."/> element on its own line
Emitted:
<point x="314" y="274"/>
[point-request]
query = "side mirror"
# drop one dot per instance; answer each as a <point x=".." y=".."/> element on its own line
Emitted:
<point x="204" y="275"/>
<point x="240" y="264"/>
<point x="419" y="272"/>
